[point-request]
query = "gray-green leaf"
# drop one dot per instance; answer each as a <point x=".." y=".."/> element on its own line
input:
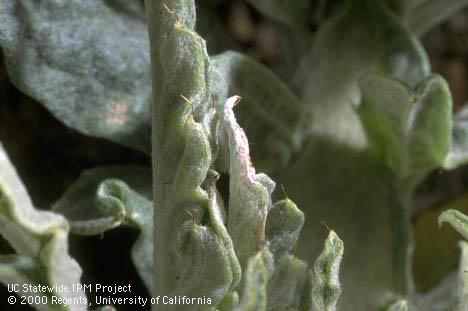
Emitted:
<point x="461" y="296"/>
<point x="458" y="154"/>
<point x="289" y="287"/>
<point x="408" y="131"/>
<point x="249" y="192"/>
<point x="458" y="220"/>
<point x="257" y="273"/>
<point x="284" y="224"/>
<point x="269" y="111"/>
<point x="364" y="37"/>
<point x="326" y="285"/>
<point x="86" y="61"/>
<point x="40" y="239"/>
<point x="106" y="197"/>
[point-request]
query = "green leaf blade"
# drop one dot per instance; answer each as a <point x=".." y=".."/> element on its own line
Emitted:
<point x="106" y="197"/>
<point x="326" y="286"/>
<point x="85" y="61"/>
<point x="40" y="239"/>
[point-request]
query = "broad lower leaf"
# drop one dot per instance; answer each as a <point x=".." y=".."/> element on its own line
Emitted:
<point x="86" y="61"/>
<point x="106" y="197"/>
<point x="40" y="240"/>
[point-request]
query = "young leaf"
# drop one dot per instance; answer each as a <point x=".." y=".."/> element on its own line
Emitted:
<point x="249" y="204"/>
<point x="457" y="219"/>
<point x="460" y="223"/>
<point x="216" y="214"/>
<point x="269" y="112"/>
<point x="435" y="253"/>
<point x="86" y="61"/>
<point x="334" y="183"/>
<point x="363" y="37"/>
<point x="409" y="131"/>
<point x="249" y="193"/>
<point x="106" y="197"/>
<point x="92" y="207"/>
<point x="288" y="288"/>
<point x="204" y="265"/>
<point x="40" y="239"/>
<point x="258" y="271"/>
<point x="284" y="224"/>
<point x="326" y="285"/>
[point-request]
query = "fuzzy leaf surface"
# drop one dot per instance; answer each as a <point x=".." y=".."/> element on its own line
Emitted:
<point x="341" y="47"/>
<point x="410" y="131"/>
<point x="107" y="197"/>
<point x="258" y="271"/>
<point x="200" y="262"/>
<point x="40" y="240"/>
<point x="334" y="178"/>
<point x="284" y="224"/>
<point x="326" y="285"/>
<point x="289" y="287"/>
<point x="86" y="61"/>
<point x="269" y="112"/>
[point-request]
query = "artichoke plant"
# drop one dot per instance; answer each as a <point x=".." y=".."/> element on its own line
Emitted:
<point x="349" y="122"/>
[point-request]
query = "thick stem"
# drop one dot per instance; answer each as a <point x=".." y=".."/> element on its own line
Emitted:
<point x="181" y="151"/>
